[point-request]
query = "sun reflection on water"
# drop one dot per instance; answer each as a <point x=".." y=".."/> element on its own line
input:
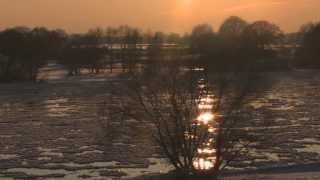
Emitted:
<point x="203" y="164"/>
<point x="207" y="100"/>
<point x="206" y="151"/>
<point x="205" y="106"/>
<point x="205" y="118"/>
<point x="206" y="154"/>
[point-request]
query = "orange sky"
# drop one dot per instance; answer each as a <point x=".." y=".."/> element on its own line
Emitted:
<point x="164" y="15"/>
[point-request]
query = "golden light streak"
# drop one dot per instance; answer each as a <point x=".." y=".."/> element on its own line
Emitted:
<point x="205" y="118"/>
<point x="203" y="164"/>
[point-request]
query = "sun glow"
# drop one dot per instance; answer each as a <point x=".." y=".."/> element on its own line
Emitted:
<point x="205" y="118"/>
<point x="186" y="3"/>
<point x="206" y="100"/>
<point x="184" y="9"/>
<point x="203" y="164"/>
<point x="206" y="151"/>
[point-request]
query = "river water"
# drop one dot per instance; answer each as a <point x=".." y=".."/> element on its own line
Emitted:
<point x="55" y="129"/>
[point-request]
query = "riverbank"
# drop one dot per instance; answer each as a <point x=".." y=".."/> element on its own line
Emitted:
<point x="294" y="172"/>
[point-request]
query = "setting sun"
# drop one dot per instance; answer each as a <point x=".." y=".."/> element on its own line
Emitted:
<point x="186" y="2"/>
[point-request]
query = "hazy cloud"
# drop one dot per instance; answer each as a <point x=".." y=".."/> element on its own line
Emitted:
<point x="257" y="4"/>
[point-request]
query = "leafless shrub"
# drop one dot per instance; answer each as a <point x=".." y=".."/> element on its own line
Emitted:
<point x="174" y="100"/>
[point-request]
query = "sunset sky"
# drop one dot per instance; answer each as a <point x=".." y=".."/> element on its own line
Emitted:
<point x="164" y="15"/>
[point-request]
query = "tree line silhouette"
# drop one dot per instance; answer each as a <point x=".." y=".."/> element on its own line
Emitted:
<point x="23" y="50"/>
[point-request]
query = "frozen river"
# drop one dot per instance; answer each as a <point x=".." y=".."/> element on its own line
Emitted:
<point x="58" y="129"/>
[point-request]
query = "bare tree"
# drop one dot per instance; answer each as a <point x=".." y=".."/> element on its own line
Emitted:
<point x="262" y="34"/>
<point x="233" y="27"/>
<point x="26" y="51"/>
<point x="196" y="117"/>
<point x="201" y="37"/>
<point x="308" y="54"/>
